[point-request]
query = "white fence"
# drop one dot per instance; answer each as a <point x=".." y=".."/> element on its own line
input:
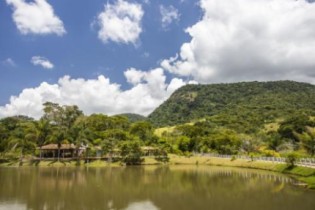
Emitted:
<point x="310" y="162"/>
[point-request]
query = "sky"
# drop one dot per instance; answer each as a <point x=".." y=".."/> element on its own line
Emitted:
<point x="128" y="56"/>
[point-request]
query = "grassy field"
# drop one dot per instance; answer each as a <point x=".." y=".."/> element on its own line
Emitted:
<point x="160" y="131"/>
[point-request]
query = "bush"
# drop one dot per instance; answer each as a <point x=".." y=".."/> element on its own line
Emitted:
<point x="291" y="159"/>
<point x="233" y="158"/>
<point x="269" y="153"/>
<point x="252" y="156"/>
<point x="161" y="156"/>
<point x="131" y="153"/>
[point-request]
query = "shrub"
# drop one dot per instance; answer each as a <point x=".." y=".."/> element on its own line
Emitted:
<point x="131" y="153"/>
<point x="233" y="158"/>
<point x="291" y="159"/>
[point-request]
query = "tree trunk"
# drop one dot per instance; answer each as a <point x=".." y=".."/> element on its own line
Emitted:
<point x="58" y="154"/>
<point x="21" y="157"/>
<point x="40" y="153"/>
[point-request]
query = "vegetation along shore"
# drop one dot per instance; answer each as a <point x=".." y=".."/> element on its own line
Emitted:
<point x="252" y="119"/>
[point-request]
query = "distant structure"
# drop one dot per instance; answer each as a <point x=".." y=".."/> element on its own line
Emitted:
<point x="66" y="151"/>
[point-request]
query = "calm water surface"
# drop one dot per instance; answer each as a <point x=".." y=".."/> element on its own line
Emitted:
<point x="149" y="188"/>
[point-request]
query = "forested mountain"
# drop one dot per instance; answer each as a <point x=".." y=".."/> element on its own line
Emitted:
<point x="133" y="117"/>
<point x="243" y="106"/>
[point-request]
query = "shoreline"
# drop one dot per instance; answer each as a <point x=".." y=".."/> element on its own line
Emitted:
<point x="301" y="174"/>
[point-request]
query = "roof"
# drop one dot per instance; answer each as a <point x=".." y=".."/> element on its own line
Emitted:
<point x="55" y="146"/>
<point x="148" y="148"/>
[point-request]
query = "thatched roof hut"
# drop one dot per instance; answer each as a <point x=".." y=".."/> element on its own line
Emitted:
<point x="55" y="147"/>
<point x="64" y="150"/>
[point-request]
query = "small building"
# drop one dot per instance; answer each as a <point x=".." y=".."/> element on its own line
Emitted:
<point x="98" y="151"/>
<point x="66" y="151"/>
<point x="149" y="151"/>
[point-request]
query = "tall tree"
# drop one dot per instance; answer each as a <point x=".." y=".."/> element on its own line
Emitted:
<point x="40" y="131"/>
<point x="143" y="130"/>
<point x="22" y="139"/>
<point x="307" y="139"/>
<point x="61" y="118"/>
<point x="131" y="152"/>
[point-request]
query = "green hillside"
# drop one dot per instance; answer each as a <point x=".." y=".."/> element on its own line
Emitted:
<point x="243" y="106"/>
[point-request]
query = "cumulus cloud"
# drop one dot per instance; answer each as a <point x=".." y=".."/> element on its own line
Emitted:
<point x="149" y="89"/>
<point x="42" y="61"/>
<point x="120" y="22"/>
<point x="168" y="15"/>
<point x="238" y="40"/>
<point x="134" y="76"/>
<point x="36" y="17"/>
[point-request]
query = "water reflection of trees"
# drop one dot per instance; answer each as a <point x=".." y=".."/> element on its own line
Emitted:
<point x="165" y="187"/>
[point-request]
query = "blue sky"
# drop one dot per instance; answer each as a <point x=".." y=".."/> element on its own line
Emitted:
<point x="130" y="55"/>
<point x="79" y="53"/>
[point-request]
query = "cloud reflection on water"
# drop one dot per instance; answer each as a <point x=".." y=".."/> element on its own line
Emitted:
<point x="144" y="205"/>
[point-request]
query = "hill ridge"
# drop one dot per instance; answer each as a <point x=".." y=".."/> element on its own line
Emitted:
<point x="270" y="99"/>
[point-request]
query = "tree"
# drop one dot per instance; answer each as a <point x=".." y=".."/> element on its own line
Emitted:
<point x="274" y="141"/>
<point x="161" y="155"/>
<point x="291" y="159"/>
<point x="3" y="138"/>
<point x="143" y="130"/>
<point x="21" y="138"/>
<point x="295" y="123"/>
<point x="58" y="137"/>
<point x="184" y="144"/>
<point x="226" y="141"/>
<point x="40" y="131"/>
<point x="52" y="113"/>
<point x="61" y="118"/>
<point x="108" y="146"/>
<point x="98" y="122"/>
<point x="307" y="139"/>
<point x="250" y="144"/>
<point x="116" y="134"/>
<point x="79" y="134"/>
<point x="190" y="131"/>
<point x="131" y="152"/>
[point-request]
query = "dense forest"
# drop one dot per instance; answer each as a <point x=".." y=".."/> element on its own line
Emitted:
<point x="254" y="118"/>
<point x="252" y="103"/>
<point x="21" y="135"/>
<point x="260" y="117"/>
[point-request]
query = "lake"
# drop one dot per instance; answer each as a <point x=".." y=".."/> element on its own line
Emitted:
<point x="150" y="188"/>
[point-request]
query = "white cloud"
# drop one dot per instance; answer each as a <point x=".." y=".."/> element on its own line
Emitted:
<point x="36" y="17"/>
<point x="238" y="40"/>
<point x="146" y="1"/>
<point x="149" y="90"/>
<point x="120" y="22"/>
<point x="168" y="15"/>
<point x="134" y="76"/>
<point x="9" y="62"/>
<point x="42" y="61"/>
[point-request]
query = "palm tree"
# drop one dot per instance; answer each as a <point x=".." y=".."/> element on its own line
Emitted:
<point x="59" y="139"/>
<point x="39" y="131"/>
<point x="22" y="139"/>
<point x="42" y="133"/>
